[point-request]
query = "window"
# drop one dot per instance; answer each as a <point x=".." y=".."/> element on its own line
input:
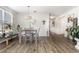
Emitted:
<point x="0" y="15"/>
<point x="7" y="18"/>
<point x="1" y="20"/>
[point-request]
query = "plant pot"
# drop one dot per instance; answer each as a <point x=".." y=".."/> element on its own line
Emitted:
<point x="77" y="45"/>
<point x="70" y="37"/>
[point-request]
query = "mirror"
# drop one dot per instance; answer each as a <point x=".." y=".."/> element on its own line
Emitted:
<point x="74" y="20"/>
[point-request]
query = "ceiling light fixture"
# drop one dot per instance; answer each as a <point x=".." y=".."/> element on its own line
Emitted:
<point x="51" y="17"/>
<point x="29" y="16"/>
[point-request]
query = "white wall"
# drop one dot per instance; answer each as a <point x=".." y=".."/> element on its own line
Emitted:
<point x="57" y="28"/>
<point x="36" y="22"/>
<point x="61" y="21"/>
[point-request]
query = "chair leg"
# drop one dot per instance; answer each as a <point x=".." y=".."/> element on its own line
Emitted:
<point x="25" y="40"/>
<point x="6" y="42"/>
<point x="36" y="42"/>
<point x="19" y="40"/>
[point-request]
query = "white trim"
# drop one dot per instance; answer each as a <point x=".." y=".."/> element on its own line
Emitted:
<point x="3" y="19"/>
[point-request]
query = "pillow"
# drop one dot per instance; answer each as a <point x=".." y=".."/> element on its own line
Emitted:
<point x="7" y="35"/>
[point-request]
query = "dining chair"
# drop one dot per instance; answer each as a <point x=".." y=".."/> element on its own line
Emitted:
<point x="38" y="31"/>
<point x="28" y="35"/>
<point x="19" y="36"/>
<point x="37" y="38"/>
<point x="23" y="35"/>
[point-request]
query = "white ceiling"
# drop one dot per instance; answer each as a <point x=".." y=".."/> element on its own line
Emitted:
<point x="55" y="10"/>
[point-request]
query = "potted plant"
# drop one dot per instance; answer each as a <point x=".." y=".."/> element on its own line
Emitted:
<point x="74" y="32"/>
<point x="67" y="34"/>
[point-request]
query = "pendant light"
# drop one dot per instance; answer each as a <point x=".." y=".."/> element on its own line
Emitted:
<point x="29" y="16"/>
<point x="51" y="17"/>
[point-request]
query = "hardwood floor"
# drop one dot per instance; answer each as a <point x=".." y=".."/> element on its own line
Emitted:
<point x="54" y="44"/>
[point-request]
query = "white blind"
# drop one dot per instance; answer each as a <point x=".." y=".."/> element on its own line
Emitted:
<point x="0" y="15"/>
<point x="0" y="20"/>
<point x="7" y="18"/>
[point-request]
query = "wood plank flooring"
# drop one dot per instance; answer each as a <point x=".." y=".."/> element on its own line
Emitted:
<point x="54" y="44"/>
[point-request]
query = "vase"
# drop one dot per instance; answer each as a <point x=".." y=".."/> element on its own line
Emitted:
<point x="77" y="45"/>
<point x="70" y="37"/>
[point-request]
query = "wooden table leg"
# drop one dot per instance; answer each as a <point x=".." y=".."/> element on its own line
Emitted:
<point x="6" y="42"/>
<point x="19" y="40"/>
<point x="19" y="36"/>
<point x="36" y="42"/>
<point x="37" y="45"/>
